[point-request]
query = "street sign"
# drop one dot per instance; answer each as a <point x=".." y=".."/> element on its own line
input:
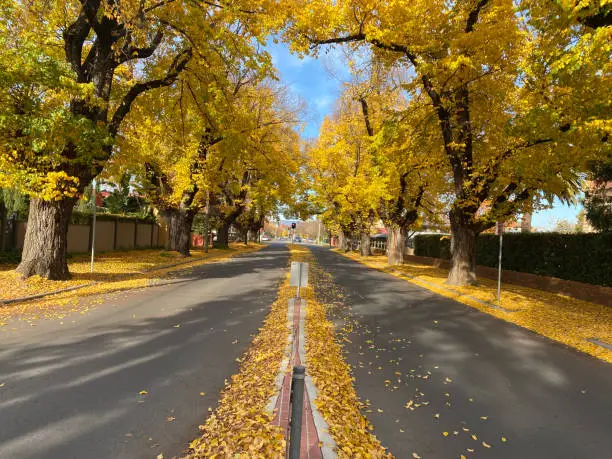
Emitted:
<point x="499" y="228"/>
<point x="299" y="274"/>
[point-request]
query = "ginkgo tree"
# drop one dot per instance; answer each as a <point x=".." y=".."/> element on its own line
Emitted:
<point x="263" y="173"/>
<point x="71" y="71"/>
<point x="176" y="161"/>
<point x="497" y="115"/>
<point x="211" y="146"/>
<point x="345" y="178"/>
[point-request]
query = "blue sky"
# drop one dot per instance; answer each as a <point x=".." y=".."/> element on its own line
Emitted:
<point x="319" y="83"/>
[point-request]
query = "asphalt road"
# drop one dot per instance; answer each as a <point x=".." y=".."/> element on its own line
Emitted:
<point x="464" y="369"/>
<point x="72" y="390"/>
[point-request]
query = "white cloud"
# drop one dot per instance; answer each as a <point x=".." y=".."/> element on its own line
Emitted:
<point x="323" y="102"/>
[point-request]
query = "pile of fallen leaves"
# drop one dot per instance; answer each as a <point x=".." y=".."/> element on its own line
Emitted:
<point x="336" y="400"/>
<point x="559" y="317"/>
<point x="240" y="426"/>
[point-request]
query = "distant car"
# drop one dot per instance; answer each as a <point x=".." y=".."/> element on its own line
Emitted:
<point x="265" y="238"/>
<point x="297" y="239"/>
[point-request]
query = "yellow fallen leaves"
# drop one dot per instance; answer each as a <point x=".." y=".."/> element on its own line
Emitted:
<point x="240" y="425"/>
<point x="337" y="400"/>
<point x="114" y="271"/>
<point x="555" y="316"/>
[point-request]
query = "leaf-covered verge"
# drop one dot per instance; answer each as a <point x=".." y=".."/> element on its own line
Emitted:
<point x="337" y="400"/>
<point x="114" y="271"/>
<point x="558" y="317"/>
<point x="240" y="426"/>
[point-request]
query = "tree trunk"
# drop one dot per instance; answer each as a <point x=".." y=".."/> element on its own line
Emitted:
<point x="179" y="231"/>
<point x="46" y="239"/>
<point x="463" y="250"/>
<point x="365" y="249"/>
<point x="396" y="241"/>
<point x="246" y="237"/>
<point x="342" y="242"/>
<point x="223" y="236"/>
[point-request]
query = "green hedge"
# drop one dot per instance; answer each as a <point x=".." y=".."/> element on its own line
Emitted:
<point x="579" y="257"/>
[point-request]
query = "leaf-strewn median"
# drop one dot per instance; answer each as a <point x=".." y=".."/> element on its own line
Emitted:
<point x="240" y="426"/>
<point x="336" y="399"/>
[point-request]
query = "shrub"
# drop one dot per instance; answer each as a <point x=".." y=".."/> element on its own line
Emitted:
<point x="579" y="257"/>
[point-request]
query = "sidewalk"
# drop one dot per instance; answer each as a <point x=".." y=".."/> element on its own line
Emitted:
<point x="573" y="322"/>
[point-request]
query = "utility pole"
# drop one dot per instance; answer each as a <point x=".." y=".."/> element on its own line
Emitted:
<point x="207" y="222"/>
<point x="499" y="229"/>
<point x="319" y="232"/>
<point x="93" y="227"/>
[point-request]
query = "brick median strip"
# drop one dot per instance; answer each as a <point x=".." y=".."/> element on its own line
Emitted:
<point x="316" y="441"/>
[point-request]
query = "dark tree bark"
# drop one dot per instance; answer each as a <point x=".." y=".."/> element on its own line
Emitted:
<point x="463" y="251"/>
<point x="396" y="241"/>
<point x="46" y="242"/>
<point x="223" y="235"/>
<point x="91" y="49"/>
<point x="179" y="230"/>
<point x="343" y="241"/>
<point x="365" y="249"/>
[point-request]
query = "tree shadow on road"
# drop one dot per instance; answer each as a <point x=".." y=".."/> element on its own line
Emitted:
<point x="403" y="340"/>
<point x="80" y="393"/>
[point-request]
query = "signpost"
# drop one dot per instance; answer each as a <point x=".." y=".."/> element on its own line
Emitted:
<point x="499" y="230"/>
<point x="299" y="275"/>
<point x="93" y="226"/>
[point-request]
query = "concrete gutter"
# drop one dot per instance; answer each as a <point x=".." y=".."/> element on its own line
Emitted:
<point x="42" y="295"/>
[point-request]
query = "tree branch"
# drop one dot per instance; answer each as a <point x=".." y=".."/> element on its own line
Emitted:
<point x="491" y="172"/>
<point x="129" y="52"/>
<point x="366" y="115"/>
<point x="178" y="65"/>
<point x="76" y="34"/>
<point x="473" y="16"/>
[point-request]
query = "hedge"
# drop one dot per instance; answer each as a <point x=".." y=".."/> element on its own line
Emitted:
<point x="579" y="257"/>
